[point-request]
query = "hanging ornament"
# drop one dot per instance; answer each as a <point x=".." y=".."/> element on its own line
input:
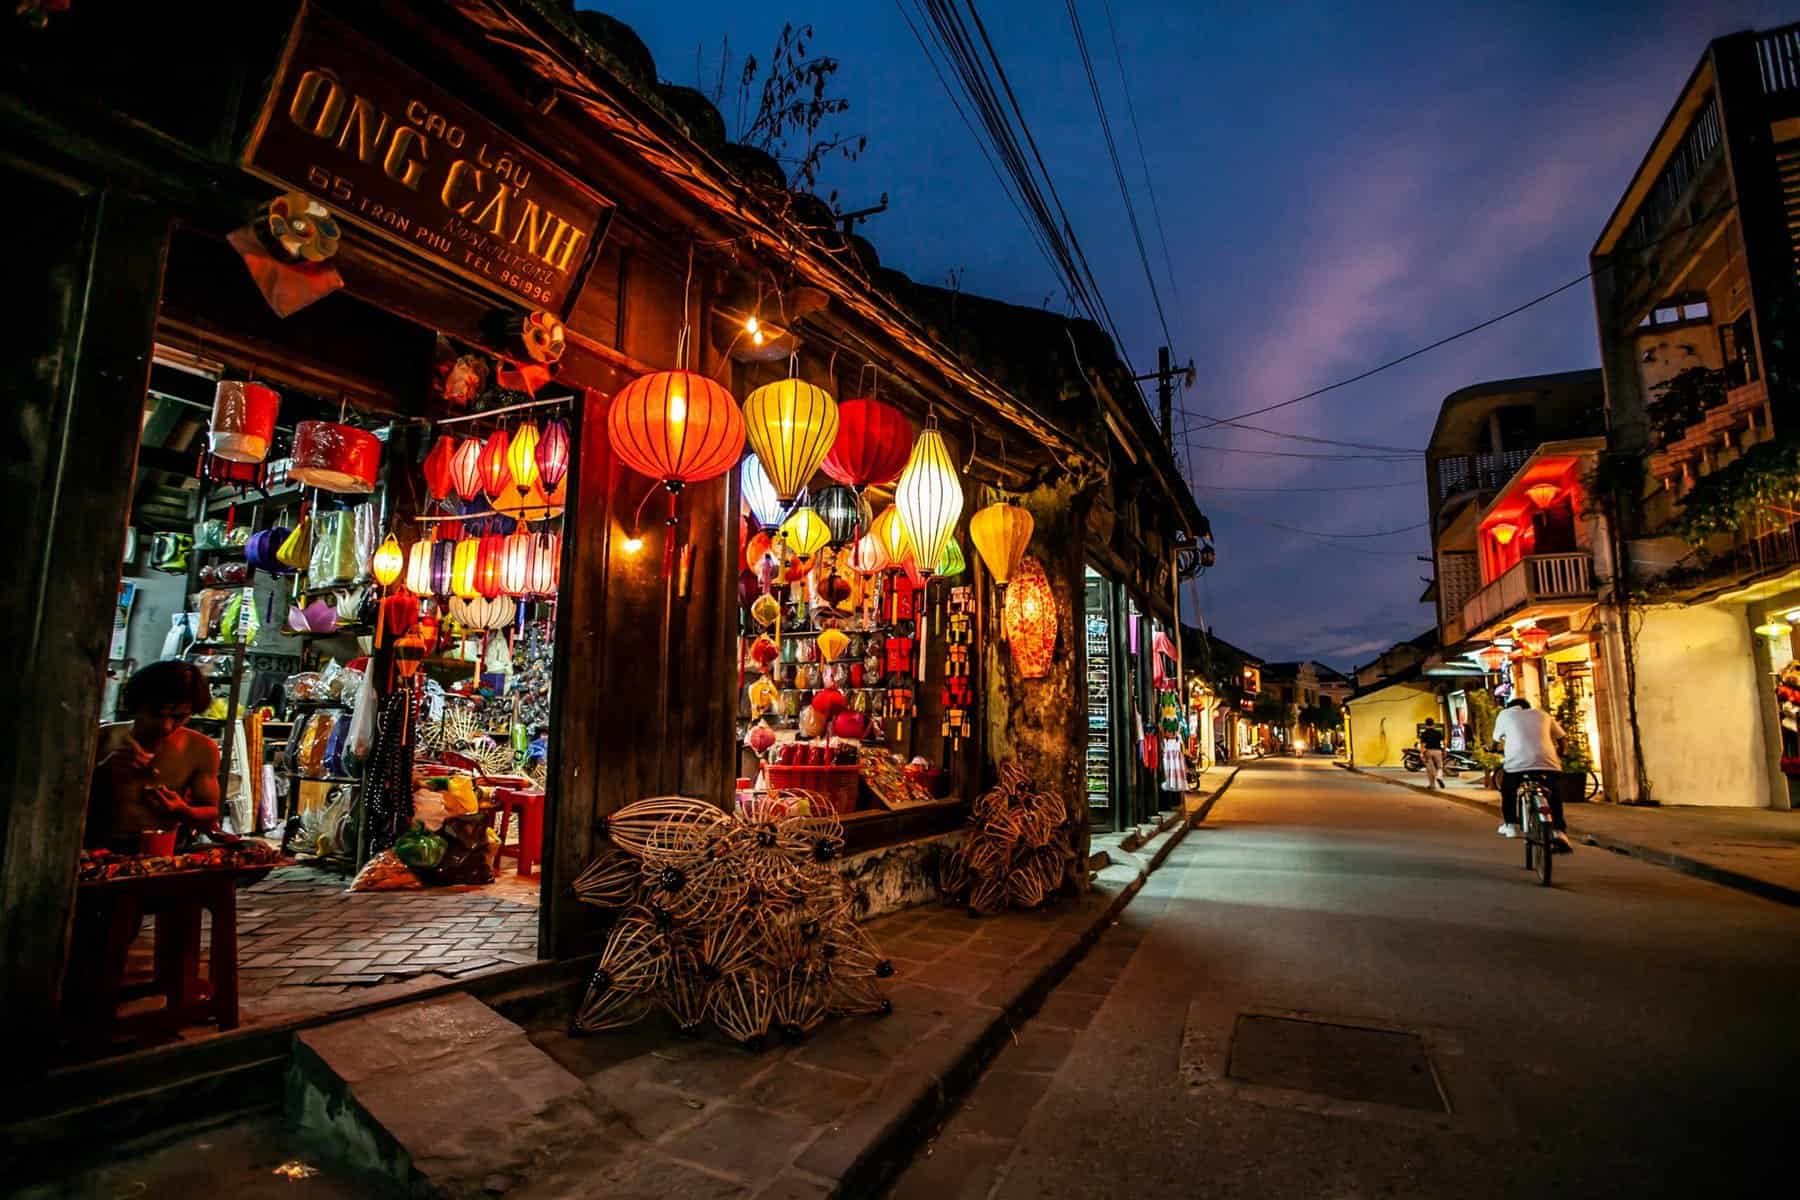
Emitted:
<point x="832" y="644"/>
<point x="873" y="443"/>
<point x="388" y="562"/>
<point x="463" y="568"/>
<point x="1029" y="618"/>
<point x="496" y="474"/>
<point x="765" y="610"/>
<point x="521" y="456"/>
<point x="515" y="563"/>
<point x="420" y="567"/>
<point x="764" y="652"/>
<point x="762" y="695"/>
<point x="1001" y="532"/>
<point x="953" y="563"/>
<point x="553" y="454"/>
<point x="760" y="500"/>
<point x="675" y="426"/>
<point x="846" y="514"/>
<point x="243" y="421"/>
<point x="805" y="533"/>
<point x="489" y="559"/>
<point x="929" y="498"/>
<point x="546" y="563"/>
<point x="791" y="426"/>
<point x="465" y="469"/>
<point x="335" y="458"/>
<point x="959" y="688"/>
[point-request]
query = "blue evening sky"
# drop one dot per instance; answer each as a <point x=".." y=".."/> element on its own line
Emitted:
<point x="1339" y="184"/>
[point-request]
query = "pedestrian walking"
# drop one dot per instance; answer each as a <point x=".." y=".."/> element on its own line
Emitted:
<point x="1431" y="749"/>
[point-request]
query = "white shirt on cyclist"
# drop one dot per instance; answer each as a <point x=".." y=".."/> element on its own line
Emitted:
<point x="1528" y="737"/>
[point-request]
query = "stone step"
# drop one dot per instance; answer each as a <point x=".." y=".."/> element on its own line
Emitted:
<point x="445" y="1096"/>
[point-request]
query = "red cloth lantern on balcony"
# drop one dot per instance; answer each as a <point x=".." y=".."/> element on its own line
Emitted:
<point x="496" y="474"/>
<point x="553" y="455"/>
<point x="1029" y="619"/>
<point x="676" y="426"/>
<point x="465" y="469"/>
<point x="1503" y="532"/>
<point x="1543" y="494"/>
<point x="1533" y="641"/>
<point x="1493" y="658"/>
<point x="335" y="458"/>
<point x="873" y="443"/>
<point x="490" y="558"/>
<point x="243" y="421"/>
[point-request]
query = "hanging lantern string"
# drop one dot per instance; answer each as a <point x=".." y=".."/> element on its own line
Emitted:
<point x="543" y="514"/>
<point x="558" y="401"/>
<point x="683" y="339"/>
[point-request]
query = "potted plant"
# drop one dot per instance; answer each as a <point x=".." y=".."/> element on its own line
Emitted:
<point x="1577" y="759"/>
<point x="1482" y="710"/>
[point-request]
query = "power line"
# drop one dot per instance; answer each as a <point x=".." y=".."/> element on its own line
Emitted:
<point x="1143" y="159"/>
<point x="1331" y="539"/>
<point x="1211" y="423"/>
<point x="1301" y="453"/>
<point x="1112" y="153"/>
<point x="1345" y="487"/>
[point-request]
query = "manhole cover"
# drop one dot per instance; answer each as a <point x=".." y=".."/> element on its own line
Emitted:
<point x="1347" y="1062"/>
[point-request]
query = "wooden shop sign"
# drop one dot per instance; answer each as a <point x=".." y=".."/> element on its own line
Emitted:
<point x="392" y="152"/>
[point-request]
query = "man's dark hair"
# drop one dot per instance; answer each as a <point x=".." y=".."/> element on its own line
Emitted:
<point x="166" y="684"/>
<point x="1431" y="720"/>
<point x="1518" y="702"/>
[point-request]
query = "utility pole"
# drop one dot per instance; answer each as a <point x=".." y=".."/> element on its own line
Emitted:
<point x="1166" y="374"/>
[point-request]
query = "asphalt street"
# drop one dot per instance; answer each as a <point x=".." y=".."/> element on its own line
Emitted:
<point x="1337" y="988"/>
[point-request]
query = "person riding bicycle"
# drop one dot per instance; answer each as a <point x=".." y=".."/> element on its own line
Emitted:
<point x="1528" y="741"/>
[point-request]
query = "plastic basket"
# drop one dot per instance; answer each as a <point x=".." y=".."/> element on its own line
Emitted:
<point x="837" y="784"/>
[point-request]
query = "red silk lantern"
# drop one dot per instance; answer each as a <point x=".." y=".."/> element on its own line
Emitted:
<point x="515" y="563"/>
<point x="465" y="469"/>
<point x="243" y="421"/>
<point x="553" y="455"/>
<point x="1029" y="619"/>
<point x="1534" y="641"/>
<point x="335" y="458"/>
<point x="496" y="474"/>
<point x="1493" y="658"/>
<point x="676" y="426"/>
<point x="873" y="443"/>
<point x="490" y="558"/>
<point x="437" y="467"/>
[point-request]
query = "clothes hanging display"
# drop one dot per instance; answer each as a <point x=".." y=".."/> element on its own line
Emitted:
<point x="387" y="777"/>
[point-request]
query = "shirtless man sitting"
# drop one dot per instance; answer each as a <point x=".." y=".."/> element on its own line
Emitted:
<point x="152" y="772"/>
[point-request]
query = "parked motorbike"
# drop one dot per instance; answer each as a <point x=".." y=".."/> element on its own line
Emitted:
<point x="1455" y="761"/>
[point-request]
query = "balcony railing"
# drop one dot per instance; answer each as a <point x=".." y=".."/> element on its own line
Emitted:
<point x="1561" y="580"/>
<point x="1778" y="57"/>
<point x="1477" y="472"/>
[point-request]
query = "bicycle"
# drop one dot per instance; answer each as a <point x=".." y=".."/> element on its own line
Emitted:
<point x="1537" y="828"/>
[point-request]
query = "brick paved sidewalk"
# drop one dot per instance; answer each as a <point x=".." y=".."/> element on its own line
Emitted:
<point x="1753" y="849"/>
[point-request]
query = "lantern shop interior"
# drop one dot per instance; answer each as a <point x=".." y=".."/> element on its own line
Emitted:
<point x="368" y="584"/>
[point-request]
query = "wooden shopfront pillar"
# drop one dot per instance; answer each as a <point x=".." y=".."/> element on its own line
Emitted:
<point x="84" y="270"/>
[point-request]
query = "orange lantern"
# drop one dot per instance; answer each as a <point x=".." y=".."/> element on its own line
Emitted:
<point x="1503" y="532"/>
<point x="496" y="472"/>
<point x="515" y="563"/>
<point x="1543" y="494"/>
<point x="1533" y="641"/>
<point x="1000" y="533"/>
<point x="676" y="426"/>
<point x="465" y="469"/>
<point x="1493" y="658"/>
<point x="1029" y="619"/>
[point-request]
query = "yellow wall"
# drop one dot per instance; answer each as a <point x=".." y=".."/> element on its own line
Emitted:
<point x="1383" y="723"/>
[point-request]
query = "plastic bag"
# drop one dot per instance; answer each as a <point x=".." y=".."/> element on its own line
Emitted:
<point x="385" y="873"/>
<point x="362" y="719"/>
<point x="419" y="848"/>
<point x="459" y="797"/>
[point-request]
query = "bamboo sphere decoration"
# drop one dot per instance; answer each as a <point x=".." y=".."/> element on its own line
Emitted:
<point x="675" y="426"/>
<point x="929" y="498"/>
<point x="1001" y="532"/>
<point x="791" y="426"/>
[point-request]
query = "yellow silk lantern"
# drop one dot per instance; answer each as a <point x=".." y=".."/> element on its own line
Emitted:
<point x="418" y="567"/>
<point x="462" y="568"/>
<point x="805" y="533"/>
<point x="791" y="427"/>
<point x="765" y="610"/>
<point x="890" y="534"/>
<point x="832" y="644"/>
<point x="929" y="498"/>
<point x="521" y="456"/>
<point x="388" y="562"/>
<point x="1000" y="533"/>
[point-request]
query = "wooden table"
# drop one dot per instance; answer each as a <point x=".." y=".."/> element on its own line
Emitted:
<point x="108" y="918"/>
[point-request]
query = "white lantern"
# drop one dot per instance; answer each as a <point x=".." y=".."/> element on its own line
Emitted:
<point x="929" y="498"/>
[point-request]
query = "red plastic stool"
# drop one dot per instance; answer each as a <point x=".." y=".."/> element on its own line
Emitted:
<point x="529" y="803"/>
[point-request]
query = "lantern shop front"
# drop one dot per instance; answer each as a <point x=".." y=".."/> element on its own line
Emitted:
<point x="347" y="496"/>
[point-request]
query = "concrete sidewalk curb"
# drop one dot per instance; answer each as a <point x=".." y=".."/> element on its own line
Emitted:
<point x="911" y="1120"/>
<point x="1723" y="876"/>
